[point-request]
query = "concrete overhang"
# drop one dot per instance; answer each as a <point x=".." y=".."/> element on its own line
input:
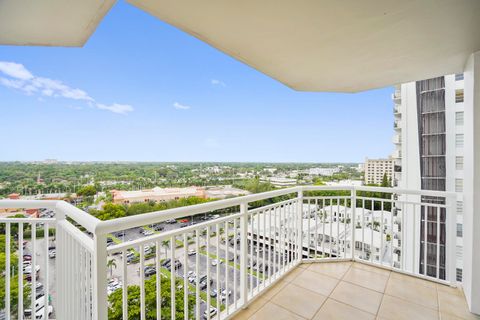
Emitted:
<point x="333" y="45"/>
<point x="67" y="23"/>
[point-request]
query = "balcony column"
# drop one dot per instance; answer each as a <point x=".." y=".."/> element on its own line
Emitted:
<point x="471" y="198"/>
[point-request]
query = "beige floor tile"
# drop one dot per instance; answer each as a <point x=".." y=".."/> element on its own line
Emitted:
<point x="305" y="265"/>
<point x="367" y="279"/>
<point x="293" y="274"/>
<point x="358" y="297"/>
<point x="316" y="282"/>
<point x="366" y="267"/>
<point x="275" y="289"/>
<point x="413" y="280"/>
<point x="299" y="300"/>
<point x="446" y="316"/>
<point x="251" y="309"/>
<point x="336" y="270"/>
<point x="273" y="311"/>
<point x="335" y="310"/>
<point x="393" y="308"/>
<point x="444" y="288"/>
<point x="455" y="305"/>
<point x="411" y="291"/>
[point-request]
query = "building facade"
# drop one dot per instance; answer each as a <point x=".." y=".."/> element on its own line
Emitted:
<point x="376" y="169"/>
<point x="429" y="141"/>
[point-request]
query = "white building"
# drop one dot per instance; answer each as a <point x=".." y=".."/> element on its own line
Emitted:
<point x="429" y="144"/>
<point x="376" y="169"/>
<point x="323" y="171"/>
<point x="280" y="181"/>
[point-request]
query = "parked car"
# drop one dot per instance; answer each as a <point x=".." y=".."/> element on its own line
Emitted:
<point x="171" y="221"/>
<point x="192" y="252"/>
<point x="150" y="271"/>
<point x="212" y="311"/>
<point x="213" y="293"/>
<point x="52" y="253"/>
<point x="40" y="314"/>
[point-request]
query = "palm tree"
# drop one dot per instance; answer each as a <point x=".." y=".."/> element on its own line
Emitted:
<point x="165" y="244"/>
<point x="111" y="264"/>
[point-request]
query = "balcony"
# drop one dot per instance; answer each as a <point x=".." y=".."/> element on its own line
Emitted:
<point x="397" y="96"/>
<point x="300" y="252"/>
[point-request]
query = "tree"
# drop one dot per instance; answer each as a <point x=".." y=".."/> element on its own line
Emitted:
<point x="87" y="191"/>
<point x="133" y="300"/>
<point x="165" y="244"/>
<point x="385" y="181"/>
<point x="112" y="265"/>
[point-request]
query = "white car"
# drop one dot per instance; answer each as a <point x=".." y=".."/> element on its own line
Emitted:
<point x="28" y="269"/>
<point x="192" y="252"/>
<point x="40" y="314"/>
<point x="215" y="262"/>
<point x="39" y="304"/>
<point x="147" y="232"/>
<point x="52" y="253"/>
<point x="213" y="312"/>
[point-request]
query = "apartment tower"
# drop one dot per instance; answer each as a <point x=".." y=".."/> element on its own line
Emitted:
<point x="428" y="155"/>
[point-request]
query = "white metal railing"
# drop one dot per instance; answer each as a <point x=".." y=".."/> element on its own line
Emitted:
<point x="213" y="267"/>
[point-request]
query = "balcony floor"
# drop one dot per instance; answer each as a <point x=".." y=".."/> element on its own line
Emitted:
<point x="346" y="290"/>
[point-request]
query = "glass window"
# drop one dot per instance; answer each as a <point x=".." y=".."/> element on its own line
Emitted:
<point x="458" y="185"/>
<point x="459" y="77"/>
<point x="459" y="118"/>
<point x="459" y="230"/>
<point x="459" y="163"/>
<point x="459" y="95"/>
<point x="459" y="140"/>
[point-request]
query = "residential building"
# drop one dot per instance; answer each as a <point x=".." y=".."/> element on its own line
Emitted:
<point x="377" y="169"/>
<point x="430" y="140"/>
<point x="323" y="171"/>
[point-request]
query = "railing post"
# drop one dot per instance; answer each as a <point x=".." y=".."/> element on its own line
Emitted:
<point x="244" y="253"/>
<point x="100" y="277"/>
<point x="451" y="247"/>
<point x="60" y="265"/>
<point x="299" y="230"/>
<point x="353" y="205"/>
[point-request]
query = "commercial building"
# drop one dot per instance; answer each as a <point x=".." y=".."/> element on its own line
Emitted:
<point x="376" y="169"/>
<point x="156" y="194"/>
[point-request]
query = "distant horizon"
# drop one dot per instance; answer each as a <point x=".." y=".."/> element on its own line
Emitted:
<point x="168" y="162"/>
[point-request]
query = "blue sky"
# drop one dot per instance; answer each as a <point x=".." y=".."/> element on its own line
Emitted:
<point x="141" y="90"/>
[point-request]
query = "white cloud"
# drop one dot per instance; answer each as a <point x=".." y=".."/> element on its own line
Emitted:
<point x="116" y="108"/>
<point x="180" y="106"/>
<point x="217" y="82"/>
<point x="23" y="80"/>
<point x="15" y="70"/>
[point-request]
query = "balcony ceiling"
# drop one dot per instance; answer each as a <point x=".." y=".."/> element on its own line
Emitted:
<point x="309" y="45"/>
<point x="325" y="45"/>
<point x="50" y="22"/>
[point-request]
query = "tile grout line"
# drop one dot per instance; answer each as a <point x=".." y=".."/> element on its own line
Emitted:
<point x="330" y="294"/>
<point x="383" y="294"/>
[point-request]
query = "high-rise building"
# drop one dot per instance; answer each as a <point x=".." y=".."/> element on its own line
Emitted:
<point x="377" y="169"/>
<point x="429" y="156"/>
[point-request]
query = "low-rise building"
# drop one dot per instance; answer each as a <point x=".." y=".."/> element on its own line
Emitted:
<point x="156" y="194"/>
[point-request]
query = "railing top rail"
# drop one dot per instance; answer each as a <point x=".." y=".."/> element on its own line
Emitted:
<point x="81" y="217"/>
<point x="27" y="220"/>
<point x="95" y="225"/>
<point x="28" y="204"/>
<point x="407" y="191"/>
